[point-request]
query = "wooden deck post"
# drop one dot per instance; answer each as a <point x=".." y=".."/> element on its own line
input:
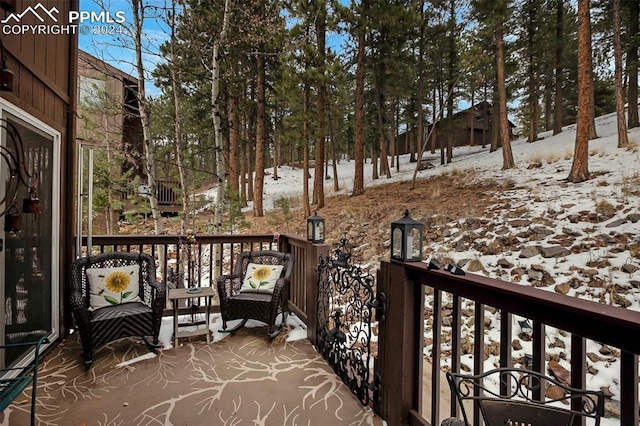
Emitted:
<point x="400" y="345"/>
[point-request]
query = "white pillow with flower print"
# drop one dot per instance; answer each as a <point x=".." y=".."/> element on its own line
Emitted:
<point x="113" y="286"/>
<point x="261" y="278"/>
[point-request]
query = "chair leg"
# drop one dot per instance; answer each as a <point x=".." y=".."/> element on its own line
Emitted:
<point x="236" y="328"/>
<point x="273" y="334"/>
<point x="88" y="356"/>
<point x="151" y="345"/>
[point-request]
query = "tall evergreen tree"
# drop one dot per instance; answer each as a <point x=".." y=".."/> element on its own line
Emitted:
<point x="632" y="62"/>
<point x="559" y="68"/>
<point x="579" y="169"/>
<point x="623" y="139"/>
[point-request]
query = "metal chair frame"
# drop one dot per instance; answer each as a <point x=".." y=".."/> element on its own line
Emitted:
<point x="518" y="405"/>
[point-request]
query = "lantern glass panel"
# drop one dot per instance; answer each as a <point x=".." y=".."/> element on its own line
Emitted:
<point x="396" y="244"/>
<point x="318" y="232"/>
<point x="413" y="244"/>
<point x="310" y="231"/>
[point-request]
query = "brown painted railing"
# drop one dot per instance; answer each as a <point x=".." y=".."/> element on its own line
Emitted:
<point x="404" y="396"/>
<point x="217" y="253"/>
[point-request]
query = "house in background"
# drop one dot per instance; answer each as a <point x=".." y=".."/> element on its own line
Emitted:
<point x="109" y="121"/>
<point x="108" y="108"/>
<point x="38" y="113"/>
<point x="469" y="127"/>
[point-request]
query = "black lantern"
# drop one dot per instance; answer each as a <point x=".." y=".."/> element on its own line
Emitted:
<point x="406" y="239"/>
<point x="315" y="229"/>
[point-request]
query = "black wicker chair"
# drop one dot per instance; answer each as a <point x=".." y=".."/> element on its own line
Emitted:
<point x="518" y="406"/>
<point x="263" y="307"/>
<point x="107" y="324"/>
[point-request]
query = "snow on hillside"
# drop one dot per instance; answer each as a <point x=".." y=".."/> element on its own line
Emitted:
<point x="599" y="219"/>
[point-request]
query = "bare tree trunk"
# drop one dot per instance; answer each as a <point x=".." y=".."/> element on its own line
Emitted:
<point x="216" y="113"/>
<point x="632" y="64"/>
<point x="548" y="102"/>
<point x="579" y="169"/>
<point x="234" y="136"/>
<point x="175" y="85"/>
<point x="321" y="29"/>
<point x="276" y="145"/>
<point x="472" y="136"/>
<point x="374" y="163"/>
<point x="261" y="121"/>
<point x="251" y="136"/>
<point x="485" y="114"/>
<point x="495" y="121"/>
<point x="623" y="139"/>
<point x="434" y="122"/>
<point x="244" y="163"/>
<point x="534" y="111"/>
<point x="558" y="110"/>
<point x="334" y="156"/>
<point x="150" y="164"/>
<point x="380" y="108"/>
<point x="592" y="102"/>
<point x="420" y="93"/>
<point x="305" y="154"/>
<point x="358" y="178"/>
<point x="507" y="155"/>
<point x="451" y="79"/>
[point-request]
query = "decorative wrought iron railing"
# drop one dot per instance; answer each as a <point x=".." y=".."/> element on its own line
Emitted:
<point x="345" y="322"/>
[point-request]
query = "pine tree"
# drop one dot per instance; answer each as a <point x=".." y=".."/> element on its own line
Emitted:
<point x="579" y="169"/>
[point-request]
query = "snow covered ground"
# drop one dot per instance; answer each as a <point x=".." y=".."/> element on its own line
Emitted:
<point x="537" y="188"/>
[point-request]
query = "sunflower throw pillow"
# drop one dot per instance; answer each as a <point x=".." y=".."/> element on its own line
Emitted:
<point x="261" y="278"/>
<point x="113" y="286"/>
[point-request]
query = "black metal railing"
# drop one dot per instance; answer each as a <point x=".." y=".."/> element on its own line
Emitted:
<point x="412" y="385"/>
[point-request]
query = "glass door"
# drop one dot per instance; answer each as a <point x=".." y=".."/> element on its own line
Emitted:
<point x="28" y="286"/>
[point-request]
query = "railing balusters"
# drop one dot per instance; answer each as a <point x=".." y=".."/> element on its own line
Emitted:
<point x="578" y="370"/>
<point x="436" y="354"/>
<point x="506" y="333"/>
<point x="162" y="247"/>
<point x="478" y="353"/>
<point x="456" y="338"/>
<point x="629" y="388"/>
<point x="538" y="339"/>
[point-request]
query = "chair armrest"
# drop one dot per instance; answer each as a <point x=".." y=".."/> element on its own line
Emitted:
<point x="159" y="287"/>
<point x="278" y="289"/>
<point x="228" y="285"/>
<point x="80" y="309"/>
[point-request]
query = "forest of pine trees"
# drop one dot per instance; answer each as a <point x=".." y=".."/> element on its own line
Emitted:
<point x="248" y="86"/>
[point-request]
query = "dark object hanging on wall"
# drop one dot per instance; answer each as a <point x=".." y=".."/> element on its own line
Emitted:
<point x="12" y="220"/>
<point x="13" y="154"/>
<point x="6" y="75"/>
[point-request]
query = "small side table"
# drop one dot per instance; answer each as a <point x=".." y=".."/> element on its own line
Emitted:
<point x="177" y="294"/>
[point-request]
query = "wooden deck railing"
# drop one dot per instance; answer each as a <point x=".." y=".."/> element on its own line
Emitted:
<point x="215" y="254"/>
<point x="401" y="361"/>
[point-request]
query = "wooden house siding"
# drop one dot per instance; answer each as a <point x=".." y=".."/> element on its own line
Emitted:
<point x="44" y="86"/>
<point x="475" y="121"/>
